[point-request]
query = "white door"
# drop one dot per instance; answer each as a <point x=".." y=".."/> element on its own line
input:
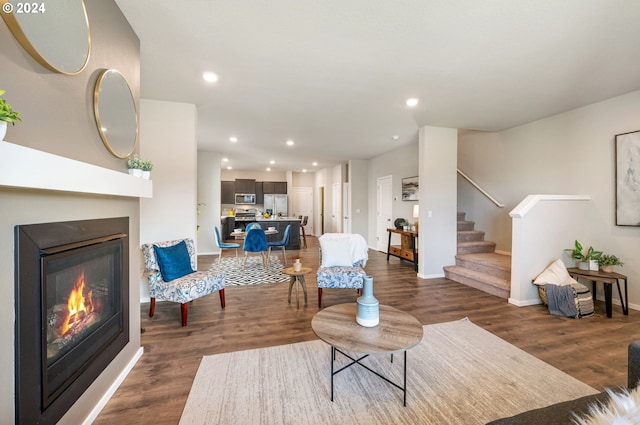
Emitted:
<point x="336" y="208"/>
<point x="302" y="204"/>
<point x="346" y="207"/>
<point x="384" y="211"/>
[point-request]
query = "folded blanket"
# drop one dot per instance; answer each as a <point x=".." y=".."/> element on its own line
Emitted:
<point x="561" y="300"/>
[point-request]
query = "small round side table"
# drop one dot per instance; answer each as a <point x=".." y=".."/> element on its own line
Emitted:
<point x="297" y="277"/>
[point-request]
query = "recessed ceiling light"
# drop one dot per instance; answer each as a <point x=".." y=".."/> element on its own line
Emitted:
<point x="268" y="169"/>
<point x="233" y="139"/>
<point x="395" y="137"/>
<point x="225" y="159"/>
<point x="210" y="77"/>
<point x="304" y="170"/>
<point x="229" y="167"/>
<point x="272" y="162"/>
<point x="315" y="164"/>
<point x="290" y="142"/>
<point x="412" y="102"/>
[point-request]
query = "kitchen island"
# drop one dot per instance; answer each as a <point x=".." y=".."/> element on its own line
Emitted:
<point x="228" y="223"/>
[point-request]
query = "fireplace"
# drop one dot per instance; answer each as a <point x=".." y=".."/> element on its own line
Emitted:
<point x="72" y="311"/>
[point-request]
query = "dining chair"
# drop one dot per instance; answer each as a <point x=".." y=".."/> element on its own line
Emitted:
<point x="224" y="245"/>
<point x="303" y="235"/>
<point x="281" y="243"/>
<point x="255" y="241"/>
<point x="253" y="225"/>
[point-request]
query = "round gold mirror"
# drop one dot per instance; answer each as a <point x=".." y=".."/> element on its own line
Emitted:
<point x="55" y="34"/>
<point x="115" y="111"/>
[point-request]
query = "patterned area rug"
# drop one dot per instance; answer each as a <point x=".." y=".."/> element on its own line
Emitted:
<point x="458" y="374"/>
<point x="254" y="273"/>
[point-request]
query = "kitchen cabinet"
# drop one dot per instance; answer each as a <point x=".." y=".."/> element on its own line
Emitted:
<point x="227" y="195"/>
<point x="245" y="186"/>
<point x="259" y="193"/>
<point x="277" y="188"/>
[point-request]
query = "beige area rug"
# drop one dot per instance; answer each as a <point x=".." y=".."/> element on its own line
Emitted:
<point x="458" y="374"/>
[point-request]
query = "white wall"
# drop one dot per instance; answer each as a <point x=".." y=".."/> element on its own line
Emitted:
<point x="569" y="153"/>
<point x="437" y="229"/>
<point x="542" y="224"/>
<point x="359" y="184"/>
<point x="171" y="146"/>
<point x="209" y="200"/>
<point x="399" y="163"/>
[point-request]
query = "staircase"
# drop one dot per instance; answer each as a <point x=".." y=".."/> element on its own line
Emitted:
<point x="477" y="264"/>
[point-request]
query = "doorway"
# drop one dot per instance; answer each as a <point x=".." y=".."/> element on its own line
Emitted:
<point x="384" y="211"/>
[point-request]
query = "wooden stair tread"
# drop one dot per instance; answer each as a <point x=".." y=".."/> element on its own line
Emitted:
<point x="492" y="259"/>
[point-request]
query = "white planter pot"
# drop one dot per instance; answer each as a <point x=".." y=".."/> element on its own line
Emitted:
<point x="593" y="265"/>
<point x="146" y="175"/>
<point x="583" y="265"/>
<point x="135" y="172"/>
<point x="3" y="130"/>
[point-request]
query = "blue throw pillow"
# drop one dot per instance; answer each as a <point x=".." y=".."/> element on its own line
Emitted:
<point x="174" y="261"/>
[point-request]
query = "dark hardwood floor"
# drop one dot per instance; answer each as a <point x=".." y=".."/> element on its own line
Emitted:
<point x="593" y="350"/>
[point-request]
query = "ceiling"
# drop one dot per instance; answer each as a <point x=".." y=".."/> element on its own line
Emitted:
<point x="333" y="75"/>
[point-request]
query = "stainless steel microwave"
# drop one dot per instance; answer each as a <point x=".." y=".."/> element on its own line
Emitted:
<point x="245" y="198"/>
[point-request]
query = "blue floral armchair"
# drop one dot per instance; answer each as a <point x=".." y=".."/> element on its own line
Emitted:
<point x="183" y="289"/>
<point x="342" y="260"/>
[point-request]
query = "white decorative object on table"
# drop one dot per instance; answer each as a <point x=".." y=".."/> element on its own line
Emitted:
<point x="368" y="312"/>
<point x="297" y="265"/>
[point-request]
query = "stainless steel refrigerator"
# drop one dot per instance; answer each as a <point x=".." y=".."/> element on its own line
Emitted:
<point x="276" y="203"/>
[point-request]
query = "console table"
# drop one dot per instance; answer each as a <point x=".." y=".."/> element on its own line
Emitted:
<point x="607" y="279"/>
<point x="407" y="250"/>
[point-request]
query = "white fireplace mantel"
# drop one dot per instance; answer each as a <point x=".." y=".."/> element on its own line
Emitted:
<point x="25" y="167"/>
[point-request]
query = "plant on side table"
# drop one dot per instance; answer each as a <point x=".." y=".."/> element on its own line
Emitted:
<point x="607" y="261"/>
<point x="7" y="116"/>
<point x="587" y="260"/>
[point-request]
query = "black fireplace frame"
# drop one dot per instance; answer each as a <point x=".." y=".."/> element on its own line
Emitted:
<point x="32" y="242"/>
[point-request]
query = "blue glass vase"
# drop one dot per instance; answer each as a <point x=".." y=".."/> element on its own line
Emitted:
<point x="368" y="312"/>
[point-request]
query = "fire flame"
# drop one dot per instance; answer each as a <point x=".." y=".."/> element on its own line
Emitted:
<point x="77" y="306"/>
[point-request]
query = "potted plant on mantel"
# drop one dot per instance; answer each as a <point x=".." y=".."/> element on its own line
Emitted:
<point x="147" y="166"/>
<point x="586" y="260"/>
<point x="134" y="164"/>
<point x="607" y="261"/>
<point x="7" y="116"/>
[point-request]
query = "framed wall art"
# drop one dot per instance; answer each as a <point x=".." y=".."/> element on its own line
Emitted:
<point x="628" y="179"/>
<point x="410" y="187"/>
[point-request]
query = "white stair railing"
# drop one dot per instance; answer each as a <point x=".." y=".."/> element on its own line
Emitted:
<point x="477" y="186"/>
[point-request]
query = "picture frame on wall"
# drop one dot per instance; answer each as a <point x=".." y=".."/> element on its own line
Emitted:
<point x="628" y="179"/>
<point x="410" y="186"/>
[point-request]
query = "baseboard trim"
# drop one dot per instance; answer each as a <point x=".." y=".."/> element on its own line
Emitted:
<point x="525" y="303"/>
<point x="93" y="415"/>
<point x="430" y="276"/>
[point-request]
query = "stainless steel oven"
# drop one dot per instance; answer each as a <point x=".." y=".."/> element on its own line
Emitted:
<point x="245" y="198"/>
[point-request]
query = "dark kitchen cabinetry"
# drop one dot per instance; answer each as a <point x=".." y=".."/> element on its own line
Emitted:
<point x="259" y="193"/>
<point x="227" y="195"/>
<point x="245" y="186"/>
<point x="278" y="188"/>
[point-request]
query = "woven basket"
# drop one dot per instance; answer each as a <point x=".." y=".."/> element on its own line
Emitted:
<point x="542" y="291"/>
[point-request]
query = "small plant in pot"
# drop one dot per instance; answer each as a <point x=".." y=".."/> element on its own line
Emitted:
<point x="147" y="166"/>
<point x="7" y="116"/>
<point x="134" y="164"/>
<point x="607" y="261"/>
<point x="586" y="260"/>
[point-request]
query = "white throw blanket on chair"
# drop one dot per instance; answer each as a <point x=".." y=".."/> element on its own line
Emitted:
<point x="353" y="248"/>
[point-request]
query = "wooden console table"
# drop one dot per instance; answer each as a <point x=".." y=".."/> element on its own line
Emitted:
<point x="607" y="279"/>
<point x="407" y="250"/>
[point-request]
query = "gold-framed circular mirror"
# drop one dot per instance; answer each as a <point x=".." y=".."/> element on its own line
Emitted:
<point x="116" y="115"/>
<point x="56" y="34"/>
